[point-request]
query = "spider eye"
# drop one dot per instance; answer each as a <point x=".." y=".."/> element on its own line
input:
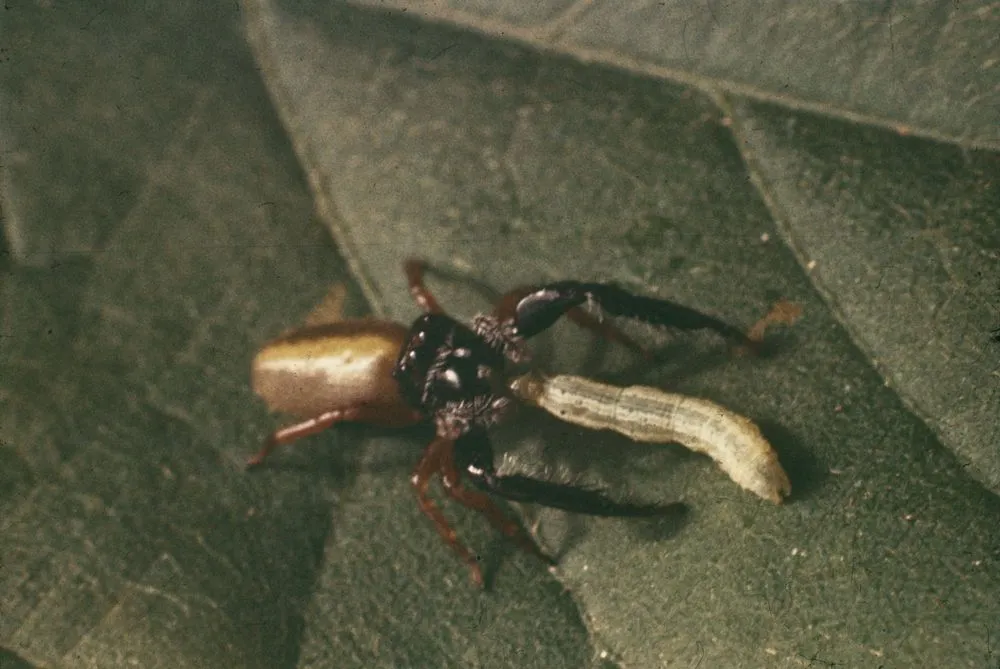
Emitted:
<point x="451" y="377"/>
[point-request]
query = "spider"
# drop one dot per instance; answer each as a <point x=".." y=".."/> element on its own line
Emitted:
<point x="455" y="376"/>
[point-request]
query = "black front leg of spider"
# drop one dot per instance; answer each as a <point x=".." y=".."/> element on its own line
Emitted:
<point x="455" y="375"/>
<point x="474" y="457"/>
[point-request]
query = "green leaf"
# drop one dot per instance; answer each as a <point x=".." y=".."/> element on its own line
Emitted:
<point x="159" y="230"/>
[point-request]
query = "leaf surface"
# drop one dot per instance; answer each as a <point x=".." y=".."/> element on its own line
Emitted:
<point x="162" y="231"/>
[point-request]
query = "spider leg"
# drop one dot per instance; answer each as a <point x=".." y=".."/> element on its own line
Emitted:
<point x="480" y="502"/>
<point x="291" y="433"/>
<point x="331" y="307"/>
<point x="388" y="416"/>
<point x="414" y="269"/>
<point x="570" y="498"/>
<point x="540" y="307"/>
<point x="506" y="308"/>
<point x="474" y="454"/>
<point x="429" y="465"/>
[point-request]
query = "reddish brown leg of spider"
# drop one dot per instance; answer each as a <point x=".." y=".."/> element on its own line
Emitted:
<point x="291" y="433"/>
<point x="421" y="295"/>
<point x="331" y="307"/>
<point x="507" y="307"/>
<point x="388" y="415"/>
<point x="428" y="466"/>
<point x="482" y="503"/>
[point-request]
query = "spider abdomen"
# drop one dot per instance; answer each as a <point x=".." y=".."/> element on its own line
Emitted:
<point x="330" y="366"/>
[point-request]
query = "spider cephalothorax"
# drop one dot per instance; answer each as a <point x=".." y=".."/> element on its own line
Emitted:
<point x="453" y="375"/>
